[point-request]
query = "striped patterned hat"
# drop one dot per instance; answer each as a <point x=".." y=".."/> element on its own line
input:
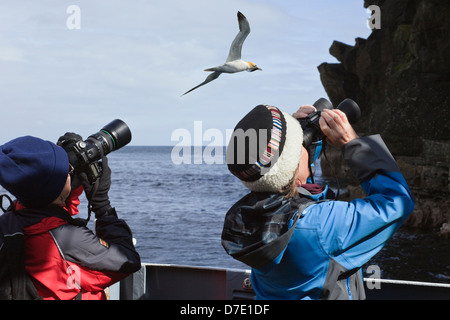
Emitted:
<point x="265" y="149"/>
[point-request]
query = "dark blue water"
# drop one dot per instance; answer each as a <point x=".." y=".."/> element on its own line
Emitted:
<point x="176" y="213"/>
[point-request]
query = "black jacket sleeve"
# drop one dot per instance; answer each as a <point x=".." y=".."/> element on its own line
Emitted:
<point x="110" y="249"/>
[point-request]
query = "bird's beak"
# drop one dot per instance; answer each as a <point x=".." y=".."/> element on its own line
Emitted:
<point x="255" y="68"/>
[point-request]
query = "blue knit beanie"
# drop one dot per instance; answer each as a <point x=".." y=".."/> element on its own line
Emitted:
<point x="33" y="170"/>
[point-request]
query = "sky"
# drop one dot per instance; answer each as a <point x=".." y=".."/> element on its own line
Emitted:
<point x="68" y="71"/>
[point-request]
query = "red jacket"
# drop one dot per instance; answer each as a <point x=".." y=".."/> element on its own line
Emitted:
<point x="64" y="259"/>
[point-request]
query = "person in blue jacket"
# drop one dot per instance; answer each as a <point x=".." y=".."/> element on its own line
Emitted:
<point x="299" y="244"/>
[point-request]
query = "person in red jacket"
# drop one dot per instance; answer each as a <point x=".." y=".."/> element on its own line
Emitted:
<point x="64" y="258"/>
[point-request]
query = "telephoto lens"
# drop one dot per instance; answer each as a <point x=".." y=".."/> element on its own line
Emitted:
<point x="113" y="136"/>
<point x="119" y="131"/>
<point x="84" y="155"/>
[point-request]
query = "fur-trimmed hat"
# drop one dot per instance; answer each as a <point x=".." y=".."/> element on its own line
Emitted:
<point x="33" y="170"/>
<point x="265" y="148"/>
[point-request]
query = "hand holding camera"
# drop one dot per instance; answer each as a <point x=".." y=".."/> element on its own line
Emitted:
<point x="304" y="111"/>
<point x="99" y="192"/>
<point x="84" y="156"/>
<point x="321" y="120"/>
<point x="336" y="127"/>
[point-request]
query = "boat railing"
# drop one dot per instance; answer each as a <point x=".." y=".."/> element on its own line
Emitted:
<point x="176" y="282"/>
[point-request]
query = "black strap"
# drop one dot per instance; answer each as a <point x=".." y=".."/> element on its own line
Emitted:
<point x="336" y="197"/>
<point x="21" y="286"/>
<point x="12" y="255"/>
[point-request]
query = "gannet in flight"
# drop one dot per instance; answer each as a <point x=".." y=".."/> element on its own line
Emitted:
<point x="234" y="62"/>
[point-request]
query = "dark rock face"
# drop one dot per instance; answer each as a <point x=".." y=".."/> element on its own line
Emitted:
<point x="400" y="77"/>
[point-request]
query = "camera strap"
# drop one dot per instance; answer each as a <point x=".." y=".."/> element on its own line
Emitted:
<point x="334" y="174"/>
<point x="89" y="198"/>
<point x="314" y="151"/>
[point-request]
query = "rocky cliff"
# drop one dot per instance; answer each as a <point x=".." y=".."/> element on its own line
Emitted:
<point x="400" y="77"/>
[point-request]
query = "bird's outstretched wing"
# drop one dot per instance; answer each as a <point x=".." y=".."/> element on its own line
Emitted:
<point x="210" y="78"/>
<point x="236" y="46"/>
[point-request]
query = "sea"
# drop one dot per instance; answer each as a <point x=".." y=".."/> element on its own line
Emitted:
<point x="175" y="200"/>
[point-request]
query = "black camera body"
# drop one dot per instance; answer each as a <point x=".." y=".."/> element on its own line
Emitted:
<point x="84" y="155"/>
<point x="310" y="124"/>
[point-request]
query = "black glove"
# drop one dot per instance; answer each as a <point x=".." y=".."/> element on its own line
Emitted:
<point x="65" y="141"/>
<point x="97" y="193"/>
<point x="68" y="137"/>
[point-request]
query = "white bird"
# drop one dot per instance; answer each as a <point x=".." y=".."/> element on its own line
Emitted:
<point x="234" y="62"/>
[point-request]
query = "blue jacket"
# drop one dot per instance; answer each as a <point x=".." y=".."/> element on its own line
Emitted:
<point x="333" y="239"/>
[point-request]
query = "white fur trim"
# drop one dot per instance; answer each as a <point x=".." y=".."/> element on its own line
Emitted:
<point x="283" y="170"/>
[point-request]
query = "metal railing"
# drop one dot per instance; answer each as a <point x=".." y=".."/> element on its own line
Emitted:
<point x="175" y="282"/>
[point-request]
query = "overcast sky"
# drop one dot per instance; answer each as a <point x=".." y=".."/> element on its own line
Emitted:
<point x="134" y="59"/>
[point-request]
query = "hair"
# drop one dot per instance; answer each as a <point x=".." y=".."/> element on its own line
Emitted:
<point x="290" y="190"/>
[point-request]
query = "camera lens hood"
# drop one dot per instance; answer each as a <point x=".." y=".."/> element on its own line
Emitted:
<point x="120" y="133"/>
